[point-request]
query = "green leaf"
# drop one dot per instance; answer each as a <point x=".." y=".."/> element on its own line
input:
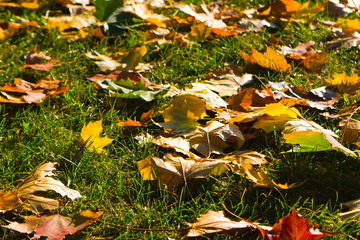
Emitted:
<point x="309" y="141"/>
<point x="104" y="8"/>
<point x="312" y="141"/>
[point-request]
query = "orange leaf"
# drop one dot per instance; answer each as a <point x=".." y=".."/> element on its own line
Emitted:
<point x="271" y="60"/>
<point x="293" y="227"/>
<point x="129" y="123"/>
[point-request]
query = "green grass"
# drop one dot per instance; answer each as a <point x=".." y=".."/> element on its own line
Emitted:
<point x="50" y="131"/>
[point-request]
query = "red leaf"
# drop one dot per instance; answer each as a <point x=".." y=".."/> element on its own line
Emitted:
<point x="294" y="227"/>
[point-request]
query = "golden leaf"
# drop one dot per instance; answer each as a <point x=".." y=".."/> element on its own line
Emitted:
<point x="90" y="134"/>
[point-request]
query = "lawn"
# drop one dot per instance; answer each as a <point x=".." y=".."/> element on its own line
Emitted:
<point x="157" y="57"/>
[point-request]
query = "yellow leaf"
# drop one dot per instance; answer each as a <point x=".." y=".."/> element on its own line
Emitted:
<point x="90" y="134"/>
<point x="261" y="178"/>
<point x="277" y="109"/>
<point x="182" y="112"/>
<point x="342" y="79"/>
<point x="199" y="32"/>
<point x="275" y="115"/>
<point x="349" y="26"/>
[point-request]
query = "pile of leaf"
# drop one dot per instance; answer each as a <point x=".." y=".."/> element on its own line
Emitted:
<point x="206" y="124"/>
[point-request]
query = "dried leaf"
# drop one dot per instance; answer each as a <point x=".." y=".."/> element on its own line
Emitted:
<point x="261" y="178"/>
<point x="25" y="92"/>
<point x="350" y="129"/>
<point x="250" y="97"/>
<point x="206" y="16"/>
<point x="55" y="227"/>
<point x="215" y="222"/>
<point x="215" y="138"/>
<point x="272" y="60"/>
<point x="176" y="170"/>
<point x="38" y="181"/>
<point x="90" y="134"/>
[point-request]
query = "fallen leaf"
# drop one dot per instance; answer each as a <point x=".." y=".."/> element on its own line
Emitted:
<point x="215" y="222"/>
<point x="135" y="77"/>
<point x="272" y="60"/>
<point x="205" y="16"/>
<point x="199" y="32"/>
<point x="310" y="141"/>
<point x="256" y="25"/>
<point x="261" y="178"/>
<point x="26" y="194"/>
<point x="143" y="11"/>
<point x="25" y="92"/>
<point x="354" y="209"/>
<point x="294" y="227"/>
<point x="282" y="8"/>
<point x="349" y="26"/>
<point x="337" y="8"/>
<point x="128" y="123"/>
<point x="43" y="67"/>
<point x="215" y="138"/>
<point x="343" y="83"/>
<point x="182" y="113"/>
<point x="55" y="227"/>
<point x="275" y="115"/>
<point x="175" y="170"/>
<point x="90" y="134"/>
<point x="8" y="30"/>
<point x="62" y="23"/>
<point x="350" y="128"/>
<point x="251" y="97"/>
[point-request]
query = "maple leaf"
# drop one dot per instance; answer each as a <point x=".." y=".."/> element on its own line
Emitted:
<point x="215" y="137"/>
<point x="310" y="141"/>
<point x="261" y="178"/>
<point x="176" y="170"/>
<point x="349" y="26"/>
<point x="90" y="134"/>
<point x="282" y="9"/>
<point x="204" y="16"/>
<point x="38" y="181"/>
<point x="294" y="227"/>
<point x="199" y="32"/>
<point x="25" y="92"/>
<point x="275" y="115"/>
<point x="8" y="30"/>
<point x="183" y="112"/>
<point x="343" y="83"/>
<point x="272" y="60"/>
<point x="350" y="129"/>
<point x="215" y="222"/>
<point x="55" y="227"/>
<point x="251" y="97"/>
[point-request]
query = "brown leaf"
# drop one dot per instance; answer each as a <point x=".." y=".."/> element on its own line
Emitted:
<point x="38" y="181"/>
<point x="215" y="222"/>
<point x="250" y="97"/>
<point x="350" y="129"/>
<point x="214" y="138"/>
<point x="175" y="170"/>
<point x="57" y="226"/>
<point x="25" y="92"/>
